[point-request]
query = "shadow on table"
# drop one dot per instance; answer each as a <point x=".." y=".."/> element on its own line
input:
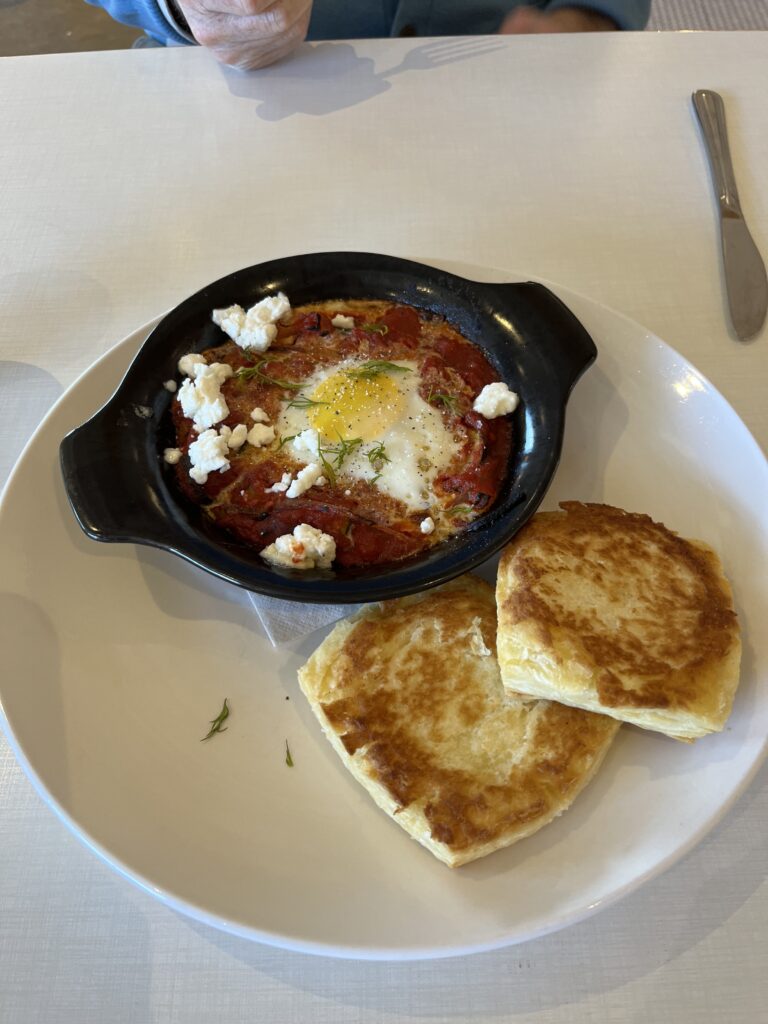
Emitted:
<point x="327" y="77"/>
<point x="643" y="932"/>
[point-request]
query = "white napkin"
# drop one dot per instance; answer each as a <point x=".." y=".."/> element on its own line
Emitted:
<point x="284" y="621"/>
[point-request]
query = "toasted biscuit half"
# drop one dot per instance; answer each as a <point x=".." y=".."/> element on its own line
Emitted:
<point x="409" y="695"/>
<point x="611" y="612"/>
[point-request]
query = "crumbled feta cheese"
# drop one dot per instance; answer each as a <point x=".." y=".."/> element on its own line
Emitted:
<point x="347" y="493"/>
<point x="201" y="399"/>
<point x="208" y="453"/>
<point x="169" y="385"/>
<point x="238" y="437"/>
<point x="305" y="548"/>
<point x="235" y="437"/>
<point x="187" y="363"/>
<point x="281" y="486"/>
<point x="495" y="400"/>
<point x="172" y="456"/>
<point x="260" y="434"/>
<point x="216" y="371"/>
<point x="271" y="309"/>
<point x="306" y="445"/>
<point x="254" y="329"/>
<point x="347" y="322"/>
<point x="427" y="525"/>
<point x="231" y="320"/>
<point x="258" y="337"/>
<point x="259" y="416"/>
<point x="306" y="478"/>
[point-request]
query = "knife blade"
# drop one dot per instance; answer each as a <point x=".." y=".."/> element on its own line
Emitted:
<point x="746" y="283"/>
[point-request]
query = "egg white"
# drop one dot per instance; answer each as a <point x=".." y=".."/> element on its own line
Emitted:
<point x="412" y="433"/>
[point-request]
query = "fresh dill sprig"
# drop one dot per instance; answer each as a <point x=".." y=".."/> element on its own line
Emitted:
<point x="288" y="758"/>
<point x="449" y="401"/>
<point x="255" y="371"/>
<point x="343" y="449"/>
<point x="332" y="456"/>
<point x="285" y="440"/>
<point x="302" y="402"/>
<point x="376" y="328"/>
<point x="328" y="469"/>
<point x="217" y="723"/>
<point x="377" y="456"/>
<point x="373" y="367"/>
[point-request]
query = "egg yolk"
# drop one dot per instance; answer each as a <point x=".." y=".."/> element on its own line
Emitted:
<point x="355" y="407"/>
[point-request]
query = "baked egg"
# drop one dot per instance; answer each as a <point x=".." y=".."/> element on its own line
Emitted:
<point x="369" y="421"/>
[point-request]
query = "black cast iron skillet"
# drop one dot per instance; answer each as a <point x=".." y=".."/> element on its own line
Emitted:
<point x="121" y="490"/>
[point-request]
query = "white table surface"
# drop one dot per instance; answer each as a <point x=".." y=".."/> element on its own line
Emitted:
<point x="130" y="179"/>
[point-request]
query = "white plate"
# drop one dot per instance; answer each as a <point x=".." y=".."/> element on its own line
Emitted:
<point x="115" y="659"/>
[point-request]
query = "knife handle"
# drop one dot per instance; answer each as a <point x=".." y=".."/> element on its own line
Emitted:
<point x="710" y="111"/>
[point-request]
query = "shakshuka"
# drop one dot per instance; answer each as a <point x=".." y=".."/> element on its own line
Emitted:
<point x="374" y="425"/>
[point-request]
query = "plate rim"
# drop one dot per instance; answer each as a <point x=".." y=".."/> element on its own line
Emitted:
<point x="353" y="952"/>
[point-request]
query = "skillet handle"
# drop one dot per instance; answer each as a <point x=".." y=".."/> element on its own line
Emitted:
<point x="101" y="486"/>
<point x="560" y="337"/>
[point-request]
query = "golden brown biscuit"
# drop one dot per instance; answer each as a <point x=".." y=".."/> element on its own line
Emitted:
<point x="611" y="612"/>
<point x="409" y="695"/>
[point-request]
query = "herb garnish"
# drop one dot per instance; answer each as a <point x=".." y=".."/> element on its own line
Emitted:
<point x="337" y="453"/>
<point x="328" y="469"/>
<point x="249" y="372"/>
<point x="377" y="454"/>
<point x="285" y="440"/>
<point x="344" y="448"/>
<point x="449" y="401"/>
<point x="373" y="367"/>
<point x="288" y="758"/>
<point x="217" y="724"/>
<point x="302" y="402"/>
<point x="376" y="328"/>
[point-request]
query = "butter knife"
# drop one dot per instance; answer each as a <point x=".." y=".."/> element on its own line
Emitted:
<point x="745" y="278"/>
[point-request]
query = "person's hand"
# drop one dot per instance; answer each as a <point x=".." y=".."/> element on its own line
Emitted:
<point x="566" y="19"/>
<point x="247" y="34"/>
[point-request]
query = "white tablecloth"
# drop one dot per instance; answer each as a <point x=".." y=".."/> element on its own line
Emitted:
<point x="131" y="179"/>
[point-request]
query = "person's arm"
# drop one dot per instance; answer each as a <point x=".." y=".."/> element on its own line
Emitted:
<point x="250" y="34"/>
<point x="155" y="17"/>
<point x="245" y="34"/>
<point x="581" y="16"/>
